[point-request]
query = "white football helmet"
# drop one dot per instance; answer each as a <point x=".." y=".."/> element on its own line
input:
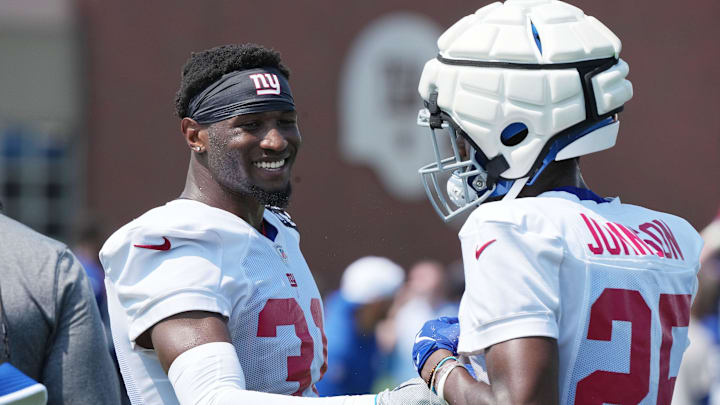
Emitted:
<point x="526" y="82"/>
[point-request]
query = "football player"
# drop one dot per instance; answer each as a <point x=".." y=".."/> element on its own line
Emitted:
<point x="571" y="298"/>
<point x="209" y="296"/>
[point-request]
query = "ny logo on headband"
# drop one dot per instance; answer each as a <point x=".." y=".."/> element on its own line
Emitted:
<point x="266" y="83"/>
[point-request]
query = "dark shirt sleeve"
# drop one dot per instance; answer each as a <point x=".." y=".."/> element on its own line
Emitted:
<point x="78" y="367"/>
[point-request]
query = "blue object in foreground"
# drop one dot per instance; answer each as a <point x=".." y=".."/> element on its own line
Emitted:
<point x="440" y="333"/>
<point x="18" y="389"/>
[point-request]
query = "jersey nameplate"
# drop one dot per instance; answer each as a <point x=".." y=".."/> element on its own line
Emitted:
<point x="652" y="238"/>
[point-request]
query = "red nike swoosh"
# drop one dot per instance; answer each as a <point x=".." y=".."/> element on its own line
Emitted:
<point x="164" y="246"/>
<point x="479" y="250"/>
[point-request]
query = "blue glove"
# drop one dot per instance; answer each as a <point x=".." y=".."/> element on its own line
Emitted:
<point x="441" y="333"/>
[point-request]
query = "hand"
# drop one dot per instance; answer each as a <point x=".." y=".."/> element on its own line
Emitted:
<point x="441" y="333"/>
<point x="411" y="392"/>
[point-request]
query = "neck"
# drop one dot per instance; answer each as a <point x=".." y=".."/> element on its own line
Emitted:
<point x="558" y="174"/>
<point x="201" y="186"/>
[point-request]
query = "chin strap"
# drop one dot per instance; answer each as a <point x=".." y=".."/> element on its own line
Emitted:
<point x="516" y="188"/>
<point x="435" y="116"/>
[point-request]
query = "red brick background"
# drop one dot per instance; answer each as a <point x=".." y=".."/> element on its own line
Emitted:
<point x="667" y="156"/>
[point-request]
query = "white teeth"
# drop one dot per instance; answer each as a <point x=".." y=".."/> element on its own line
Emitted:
<point x="270" y="165"/>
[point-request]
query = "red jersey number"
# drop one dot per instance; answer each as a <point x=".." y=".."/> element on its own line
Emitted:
<point x="286" y="311"/>
<point x="630" y="388"/>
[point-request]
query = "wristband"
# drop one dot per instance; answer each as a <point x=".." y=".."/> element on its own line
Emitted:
<point x="432" y="372"/>
<point x="444" y="377"/>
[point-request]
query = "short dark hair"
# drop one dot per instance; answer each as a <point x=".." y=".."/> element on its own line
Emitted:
<point x="205" y="67"/>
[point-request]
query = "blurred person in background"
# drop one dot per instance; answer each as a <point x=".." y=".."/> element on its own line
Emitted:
<point x="355" y="357"/>
<point x="428" y="293"/>
<point x="707" y="304"/>
<point x="51" y="329"/>
<point x="88" y="241"/>
<point x="86" y="248"/>
<point x="210" y="298"/>
<point x="710" y="275"/>
<point x="698" y="381"/>
<point x="520" y="90"/>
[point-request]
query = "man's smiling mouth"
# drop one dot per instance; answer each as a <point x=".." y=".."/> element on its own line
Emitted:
<point x="277" y="164"/>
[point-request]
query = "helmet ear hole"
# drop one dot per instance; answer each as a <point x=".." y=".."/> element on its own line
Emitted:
<point x="513" y="134"/>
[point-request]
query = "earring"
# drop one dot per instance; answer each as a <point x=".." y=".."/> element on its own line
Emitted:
<point x="198" y="149"/>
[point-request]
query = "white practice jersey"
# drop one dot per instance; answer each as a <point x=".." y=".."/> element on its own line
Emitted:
<point x="612" y="282"/>
<point x="188" y="256"/>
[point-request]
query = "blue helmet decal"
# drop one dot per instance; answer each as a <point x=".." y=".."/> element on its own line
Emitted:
<point x="536" y="36"/>
<point x="513" y="134"/>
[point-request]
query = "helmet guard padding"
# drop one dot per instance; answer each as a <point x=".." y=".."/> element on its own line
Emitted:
<point x="493" y="70"/>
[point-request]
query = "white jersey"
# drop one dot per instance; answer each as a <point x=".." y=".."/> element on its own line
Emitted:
<point x="188" y="256"/>
<point x="612" y="282"/>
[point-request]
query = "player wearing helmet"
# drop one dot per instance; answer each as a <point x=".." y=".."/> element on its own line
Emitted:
<point x="210" y="298"/>
<point x="521" y="89"/>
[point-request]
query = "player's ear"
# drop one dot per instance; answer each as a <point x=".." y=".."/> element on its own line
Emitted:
<point x="195" y="134"/>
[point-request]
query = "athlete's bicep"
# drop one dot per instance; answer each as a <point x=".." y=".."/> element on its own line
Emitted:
<point x="524" y="371"/>
<point x="181" y="332"/>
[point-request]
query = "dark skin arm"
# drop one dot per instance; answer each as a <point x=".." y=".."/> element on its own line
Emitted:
<point x="176" y="334"/>
<point x="521" y="371"/>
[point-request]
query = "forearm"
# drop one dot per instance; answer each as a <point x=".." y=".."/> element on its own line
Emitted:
<point x="459" y="387"/>
<point x="522" y="371"/>
<point x="238" y="396"/>
<point x="210" y="374"/>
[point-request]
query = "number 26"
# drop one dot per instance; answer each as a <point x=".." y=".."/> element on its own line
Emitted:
<point x="628" y="305"/>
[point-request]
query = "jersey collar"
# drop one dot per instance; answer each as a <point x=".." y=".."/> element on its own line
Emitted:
<point x="269" y="230"/>
<point x="582" y="194"/>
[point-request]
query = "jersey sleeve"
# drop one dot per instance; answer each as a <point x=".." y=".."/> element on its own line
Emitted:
<point x="512" y="284"/>
<point x="158" y="273"/>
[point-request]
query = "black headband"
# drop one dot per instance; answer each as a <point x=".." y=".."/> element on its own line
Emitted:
<point x="242" y="92"/>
